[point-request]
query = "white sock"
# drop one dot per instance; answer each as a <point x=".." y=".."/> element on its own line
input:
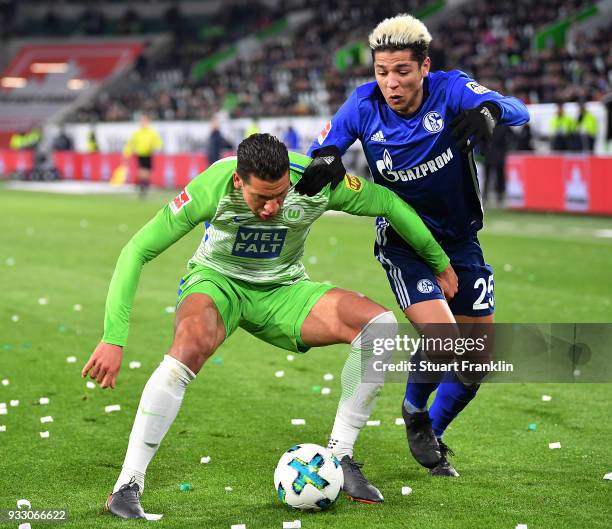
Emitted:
<point x="359" y="398"/>
<point x="159" y="405"/>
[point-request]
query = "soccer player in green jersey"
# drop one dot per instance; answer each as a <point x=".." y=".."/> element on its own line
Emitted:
<point x="247" y="272"/>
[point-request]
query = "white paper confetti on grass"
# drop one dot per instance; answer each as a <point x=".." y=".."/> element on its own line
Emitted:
<point x="229" y="489"/>
<point x="298" y="422"/>
<point x="546" y="398"/>
<point x="153" y="517"/>
<point x="238" y="526"/>
<point x="24" y="503"/>
<point x="205" y="460"/>
<point x="71" y="359"/>
<point x="373" y="423"/>
<point x="406" y="491"/>
<point x="47" y="418"/>
<point x="325" y="391"/>
<point x="44" y="435"/>
<point x="399" y="421"/>
<point x="552" y="446"/>
<point x="295" y="524"/>
<point x="15" y="318"/>
<point x="170" y="310"/>
<point x="2" y="428"/>
<point x="43" y="301"/>
<point x="521" y="526"/>
<point x="328" y="377"/>
<point x="43" y="401"/>
<point x="90" y="385"/>
<point x="77" y="307"/>
<point x="10" y="261"/>
<point x="290" y="358"/>
<point x="14" y="403"/>
<point x="135" y="364"/>
<point x="5" y="381"/>
<point x="279" y="374"/>
<point x="112" y="408"/>
<point x="24" y="526"/>
<point x="3" y="411"/>
<point x="608" y="476"/>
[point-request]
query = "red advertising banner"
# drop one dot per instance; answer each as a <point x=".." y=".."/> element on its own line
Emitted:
<point x="169" y="171"/>
<point x="15" y="161"/>
<point x="568" y="183"/>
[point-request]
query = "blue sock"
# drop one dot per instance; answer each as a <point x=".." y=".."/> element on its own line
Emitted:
<point x="419" y="387"/>
<point x="451" y="398"/>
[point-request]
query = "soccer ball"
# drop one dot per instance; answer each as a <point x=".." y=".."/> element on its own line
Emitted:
<point x="308" y="477"/>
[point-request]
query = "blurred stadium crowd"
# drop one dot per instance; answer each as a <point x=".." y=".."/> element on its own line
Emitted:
<point x="309" y="66"/>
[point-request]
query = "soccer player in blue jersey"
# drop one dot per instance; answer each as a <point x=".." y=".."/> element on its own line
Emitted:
<point x="418" y="130"/>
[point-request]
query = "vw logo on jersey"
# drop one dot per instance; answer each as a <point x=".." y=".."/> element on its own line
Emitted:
<point x="433" y="122"/>
<point x="293" y="213"/>
<point x="425" y="286"/>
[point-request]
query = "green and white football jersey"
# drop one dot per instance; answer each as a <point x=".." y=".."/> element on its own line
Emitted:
<point x="240" y="245"/>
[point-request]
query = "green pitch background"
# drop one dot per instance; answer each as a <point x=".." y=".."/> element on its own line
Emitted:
<point x="63" y="248"/>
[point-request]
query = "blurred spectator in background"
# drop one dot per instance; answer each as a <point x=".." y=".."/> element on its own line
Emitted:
<point x="217" y="143"/>
<point x="562" y="128"/>
<point x="92" y="141"/>
<point x="291" y="139"/>
<point x="253" y="128"/>
<point x="26" y="139"/>
<point x="92" y="22"/>
<point x="524" y="140"/>
<point x="62" y="142"/>
<point x="143" y="143"/>
<point x="17" y="141"/>
<point x="502" y="141"/>
<point x="587" y="128"/>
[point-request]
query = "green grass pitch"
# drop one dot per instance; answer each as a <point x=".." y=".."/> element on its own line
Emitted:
<point x="63" y="249"/>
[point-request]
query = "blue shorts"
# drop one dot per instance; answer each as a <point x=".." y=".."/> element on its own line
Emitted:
<point x="412" y="281"/>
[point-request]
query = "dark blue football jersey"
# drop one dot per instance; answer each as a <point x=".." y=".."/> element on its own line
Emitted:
<point x="416" y="156"/>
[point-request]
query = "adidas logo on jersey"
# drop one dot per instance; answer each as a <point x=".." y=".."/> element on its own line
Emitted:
<point x="328" y="159"/>
<point x="378" y="136"/>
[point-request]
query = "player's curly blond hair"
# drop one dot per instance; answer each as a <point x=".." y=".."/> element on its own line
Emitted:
<point x="401" y="32"/>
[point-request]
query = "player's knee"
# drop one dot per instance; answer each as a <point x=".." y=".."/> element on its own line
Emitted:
<point x="377" y="333"/>
<point x="193" y="343"/>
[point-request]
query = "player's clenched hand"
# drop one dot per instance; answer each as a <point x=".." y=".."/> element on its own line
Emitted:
<point x="476" y="123"/>
<point x="326" y="167"/>
<point x="104" y="364"/>
<point x="448" y="281"/>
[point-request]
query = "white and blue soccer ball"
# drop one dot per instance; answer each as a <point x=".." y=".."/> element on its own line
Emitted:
<point x="308" y="477"/>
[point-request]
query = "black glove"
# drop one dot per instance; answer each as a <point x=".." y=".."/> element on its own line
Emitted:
<point x="477" y="123"/>
<point x="325" y="167"/>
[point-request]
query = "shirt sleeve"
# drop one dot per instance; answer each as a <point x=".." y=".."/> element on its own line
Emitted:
<point x="465" y="93"/>
<point x="342" y="130"/>
<point x="357" y="196"/>
<point x="194" y="205"/>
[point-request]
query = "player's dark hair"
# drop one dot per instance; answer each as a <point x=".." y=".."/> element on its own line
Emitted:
<point x="264" y="156"/>
<point x="419" y="50"/>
